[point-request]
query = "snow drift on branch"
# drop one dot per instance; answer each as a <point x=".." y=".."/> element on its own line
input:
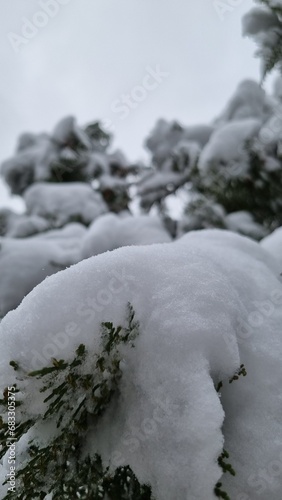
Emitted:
<point x="63" y="203"/>
<point x="205" y="304"/>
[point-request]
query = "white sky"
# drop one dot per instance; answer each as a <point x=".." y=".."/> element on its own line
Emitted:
<point x="93" y="51"/>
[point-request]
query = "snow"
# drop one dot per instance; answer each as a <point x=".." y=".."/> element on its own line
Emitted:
<point x="205" y="303"/>
<point x="99" y="163"/>
<point x="74" y="230"/>
<point x="20" y="225"/>
<point x="67" y="131"/>
<point x="26" y="262"/>
<point x="271" y="133"/>
<point x="226" y="145"/>
<point x="67" y="153"/>
<point x="243" y="222"/>
<point x="201" y="213"/>
<point x="167" y="135"/>
<point x="265" y="28"/>
<point x="30" y="163"/>
<point x="112" y="231"/>
<point x="273" y="244"/>
<point x="156" y="185"/>
<point x="248" y="101"/>
<point x="65" y="202"/>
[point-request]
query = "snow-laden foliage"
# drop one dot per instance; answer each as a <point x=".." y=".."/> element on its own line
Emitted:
<point x="264" y="25"/>
<point x="226" y="175"/>
<point x="139" y="367"/>
<point x="16" y="225"/>
<point x="237" y="170"/>
<point x="65" y="202"/>
<point x="248" y="101"/>
<point x="69" y="154"/>
<point x="205" y="305"/>
<point x="92" y="381"/>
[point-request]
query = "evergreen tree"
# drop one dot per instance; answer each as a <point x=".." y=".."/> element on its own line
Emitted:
<point x="264" y="24"/>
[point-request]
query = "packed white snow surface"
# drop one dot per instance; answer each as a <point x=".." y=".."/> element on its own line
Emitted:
<point x="227" y="145"/>
<point x="248" y="101"/>
<point x="112" y="231"/>
<point x="24" y="263"/>
<point x="64" y="202"/>
<point x="205" y="303"/>
<point x="273" y="244"/>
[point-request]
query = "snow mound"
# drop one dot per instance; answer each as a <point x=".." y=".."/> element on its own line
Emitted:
<point x="111" y="231"/>
<point x="205" y="304"/>
<point x="63" y="203"/>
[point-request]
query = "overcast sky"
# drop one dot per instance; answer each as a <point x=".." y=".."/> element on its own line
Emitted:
<point x="92" y="53"/>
